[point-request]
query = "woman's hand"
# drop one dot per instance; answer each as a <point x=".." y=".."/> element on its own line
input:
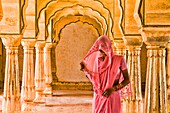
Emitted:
<point x="108" y="92"/>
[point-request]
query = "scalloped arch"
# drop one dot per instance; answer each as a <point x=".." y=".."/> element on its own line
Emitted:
<point x="64" y="21"/>
<point x="97" y="6"/>
<point x="74" y="22"/>
<point x="79" y="10"/>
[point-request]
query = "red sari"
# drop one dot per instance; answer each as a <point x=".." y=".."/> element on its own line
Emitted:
<point x="102" y="74"/>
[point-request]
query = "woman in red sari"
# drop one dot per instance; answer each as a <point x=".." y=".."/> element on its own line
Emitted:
<point x="108" y="74"/>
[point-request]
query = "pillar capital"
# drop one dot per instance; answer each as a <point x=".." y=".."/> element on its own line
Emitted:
<point x="155" y="35"/>
<point x="119" y="47"/>
<point x="28" y="43"/>
<point x="119" y="44"/>
<point x="48" y="45"/>
<point x="11" y="40"/>
<point x="40" y="44"/>
<point x="54" y="45"/>
<point x="168" y="46"/>
<point x="133" y="41"/>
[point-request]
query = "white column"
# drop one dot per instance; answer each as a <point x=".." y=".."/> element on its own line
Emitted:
<point x="135" y="102"/>
<point x="39" y="72"/>
<point x="28" y="86"/>
<point x="155" y="91"/>
<point x="156" y="39"/>
<point x="47" y="69"/>
<point x="11" y="97"/>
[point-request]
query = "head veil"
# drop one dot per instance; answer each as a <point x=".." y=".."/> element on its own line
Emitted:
<point x="91" y="59"/>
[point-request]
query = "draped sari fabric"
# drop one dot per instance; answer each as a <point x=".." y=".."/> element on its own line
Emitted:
<point x="102" y="74"/>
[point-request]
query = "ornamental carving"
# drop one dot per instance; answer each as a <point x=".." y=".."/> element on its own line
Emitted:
<point x="133" y="40"/>
<point x="11" y="40"/>
<point x="11" y="21"/>
<point x="155" y="35"/>
<point x="28" y="43"/>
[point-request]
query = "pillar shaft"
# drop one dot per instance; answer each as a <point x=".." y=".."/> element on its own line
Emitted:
<point x="39" y="72"/>
<point x="47" y="69"/>
<point x="28" y="86"/>
<point x="168" y="72"/>
<point x="155" y="91"/>
<point x="156" y="39"/>
<point x="135" y="78"/>
<point x="134" y="103"/>
<point x="11" y="96"/>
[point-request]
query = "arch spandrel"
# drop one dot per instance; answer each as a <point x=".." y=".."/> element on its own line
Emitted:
<point x="98" y="5"/>
<point x="64" y="21"/>
<point x="41" y="5"/>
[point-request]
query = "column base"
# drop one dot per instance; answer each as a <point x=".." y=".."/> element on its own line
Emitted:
<point x="125" y="105"/>
<point x="28" y="106"/>
<point x="136" y="106"/>
<point x="39" y="99"/>
<point x="47" y="91"/>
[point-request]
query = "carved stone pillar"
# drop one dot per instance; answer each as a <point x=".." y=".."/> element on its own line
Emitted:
<point x="28" y="87"/>
<point x="47" y="69"/>
<point x="120" y="48"/>
<point x="11" y="96"/>
<point x="155" y="90"/>
<point x="39" y="72"/>
<point x="168" y="72"/>
<point x="134" y="44"/>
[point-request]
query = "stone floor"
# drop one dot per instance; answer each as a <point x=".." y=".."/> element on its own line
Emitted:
<point x="66" y="102"/>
